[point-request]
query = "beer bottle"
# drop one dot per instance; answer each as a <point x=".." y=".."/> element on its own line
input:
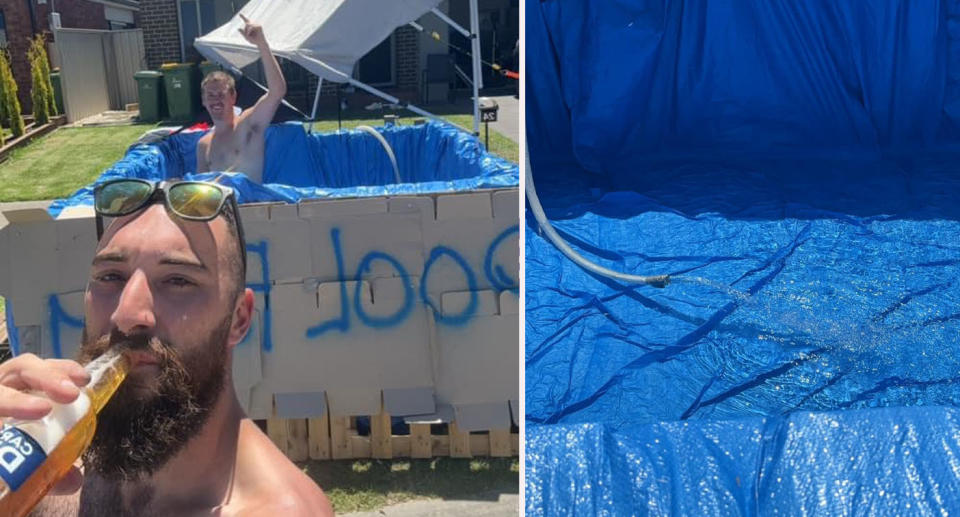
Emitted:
<point x="36" y="454"/>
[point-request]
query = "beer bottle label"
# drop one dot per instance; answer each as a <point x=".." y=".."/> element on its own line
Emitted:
<point x="20" y="455"/>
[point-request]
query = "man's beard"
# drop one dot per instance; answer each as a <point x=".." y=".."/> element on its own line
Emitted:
<point x="136" y="433"/>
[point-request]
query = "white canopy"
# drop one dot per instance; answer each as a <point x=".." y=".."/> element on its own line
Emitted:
<point x="326" y="37"/>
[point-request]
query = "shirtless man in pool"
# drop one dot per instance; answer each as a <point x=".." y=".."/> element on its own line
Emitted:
<point x="236" y="143"/>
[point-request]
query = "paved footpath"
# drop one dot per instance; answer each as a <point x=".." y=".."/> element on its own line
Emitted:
<point x="506" y="505"/>
<point x="508" y="117"/>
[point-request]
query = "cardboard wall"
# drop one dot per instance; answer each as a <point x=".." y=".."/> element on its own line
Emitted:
<point x="412" y="301"/>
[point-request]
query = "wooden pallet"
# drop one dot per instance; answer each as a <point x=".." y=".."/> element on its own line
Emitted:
<point x="337" y="438"/>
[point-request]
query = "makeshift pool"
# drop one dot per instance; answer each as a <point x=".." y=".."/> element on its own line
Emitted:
<point x="801" y="189"/>
<point x="370" y="295"/>
<point x="431" y="158"/>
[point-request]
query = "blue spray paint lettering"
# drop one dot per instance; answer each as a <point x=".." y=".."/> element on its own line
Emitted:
<point x="58" y="316"/>
<point x="494" y="273"/>
<point x="261" y="248"/>
<point x="343" y="322"/>
<point x="382" y="322"/>
<point x="471" y="308"/>
<point x="12" y="331"/>
<point x="498" y="277"/>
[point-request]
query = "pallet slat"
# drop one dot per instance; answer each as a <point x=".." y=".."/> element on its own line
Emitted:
<point x="318" y="433"/>
<point x="500" y="443"/>
<point x="297" y="448"/>
<point x="360" y="446"/>
<point x="340" y="438"/>
<point x="277" y="431"/>
<point x="459" y="442"/>
<point x="337" y="438"/>
<point x="421" y="443"/>
<point x="479" y="445"/>
<point x="381" y="445"/>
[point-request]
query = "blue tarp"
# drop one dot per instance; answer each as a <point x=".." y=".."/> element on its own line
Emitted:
<point x="431" y="158"/>
<point x="796" y="165"/>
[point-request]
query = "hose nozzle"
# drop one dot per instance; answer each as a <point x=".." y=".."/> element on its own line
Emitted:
<point x="660" y="281"/>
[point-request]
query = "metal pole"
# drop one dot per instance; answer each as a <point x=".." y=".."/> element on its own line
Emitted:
<point x="450" y="21"/>
<point x="316" y="100"/>
<point x="390" y="98"/>
<point x="477" y="75"/>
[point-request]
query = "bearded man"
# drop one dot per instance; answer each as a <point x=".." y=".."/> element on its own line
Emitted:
<point x="166" y="287"/>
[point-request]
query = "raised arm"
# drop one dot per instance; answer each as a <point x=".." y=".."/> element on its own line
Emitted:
<point x="203" y="148"/>
<point x="262" y="112"/>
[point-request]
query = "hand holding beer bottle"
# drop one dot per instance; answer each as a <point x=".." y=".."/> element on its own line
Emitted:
<point x="49" y="408"/>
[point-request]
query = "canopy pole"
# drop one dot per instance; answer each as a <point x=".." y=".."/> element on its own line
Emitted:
<point x="385" y="96"/>
<point x="282" y="101"/>
<point x="477" y="74"/>
<point x="440" y="14"/>
<point x="316" y="100"/>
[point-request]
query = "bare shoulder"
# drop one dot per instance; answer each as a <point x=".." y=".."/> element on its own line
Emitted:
<point x="205" y="139"/>
<point x="271" y="484"/>
<point x="250" y="123"/>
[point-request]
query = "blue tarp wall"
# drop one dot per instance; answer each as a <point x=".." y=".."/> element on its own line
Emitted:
<point x="795" y="165"/>
<point x="431" y="158"/>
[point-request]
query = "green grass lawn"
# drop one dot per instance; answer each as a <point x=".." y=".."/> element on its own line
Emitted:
<point x="58" y="164"/>
<point x="364" y="485"/>
<point x="499" y="144"/>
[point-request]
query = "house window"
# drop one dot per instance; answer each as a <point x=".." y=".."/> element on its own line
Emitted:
<point x="3" y="29"/>
<point x="198" y="17"/>
<point x="377" y="68"/>
<point x="118" y="19"/>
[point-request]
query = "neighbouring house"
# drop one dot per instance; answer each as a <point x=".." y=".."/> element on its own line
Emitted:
<point x="20" y="20"/>
<point x="401" y="65"/>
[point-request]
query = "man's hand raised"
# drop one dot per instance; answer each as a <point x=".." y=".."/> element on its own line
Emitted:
<point x="252" y="32"/>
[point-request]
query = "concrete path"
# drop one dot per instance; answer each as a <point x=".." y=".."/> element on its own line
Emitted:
<point x="505" y="505"/>
<point x="109" y="118"/>
<point x="508" y="117"/>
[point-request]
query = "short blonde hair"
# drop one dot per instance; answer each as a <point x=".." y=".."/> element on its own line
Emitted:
<point x="218" y="76"/>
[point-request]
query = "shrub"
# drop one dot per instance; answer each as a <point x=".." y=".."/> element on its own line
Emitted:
<point x="41" y="90"/>
<point x="8" y="96"/>
<point x="38" y="53"/>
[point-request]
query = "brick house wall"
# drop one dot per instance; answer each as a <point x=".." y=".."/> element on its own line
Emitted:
<point x="161" y="32"/>
<point x="19" y="30"/>
<point x="81" y="14"/>
<point x="161" y="38"/>
<point x="74" y="14"/>
<point x="407" y="47"/>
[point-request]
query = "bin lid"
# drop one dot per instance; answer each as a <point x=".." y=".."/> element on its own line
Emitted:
<point x="488" y="104"/>
<point x="177" y="66"/>
<point x="147" y="74"/>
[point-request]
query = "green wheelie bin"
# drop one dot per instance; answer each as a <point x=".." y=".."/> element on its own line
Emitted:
<point x="150" y="95"/>
<point x="183" y="91"/>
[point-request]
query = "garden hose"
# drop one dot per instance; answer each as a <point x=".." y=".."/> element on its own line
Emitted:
<point x="386" y="147"/>
<point x="570" y="253"/>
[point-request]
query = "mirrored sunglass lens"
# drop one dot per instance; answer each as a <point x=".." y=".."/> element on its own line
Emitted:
<point x="195" y="199"/>
<point x="121" y="197"/>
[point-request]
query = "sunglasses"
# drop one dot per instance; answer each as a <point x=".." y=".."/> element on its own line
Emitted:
<point x="190" y="200"/>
